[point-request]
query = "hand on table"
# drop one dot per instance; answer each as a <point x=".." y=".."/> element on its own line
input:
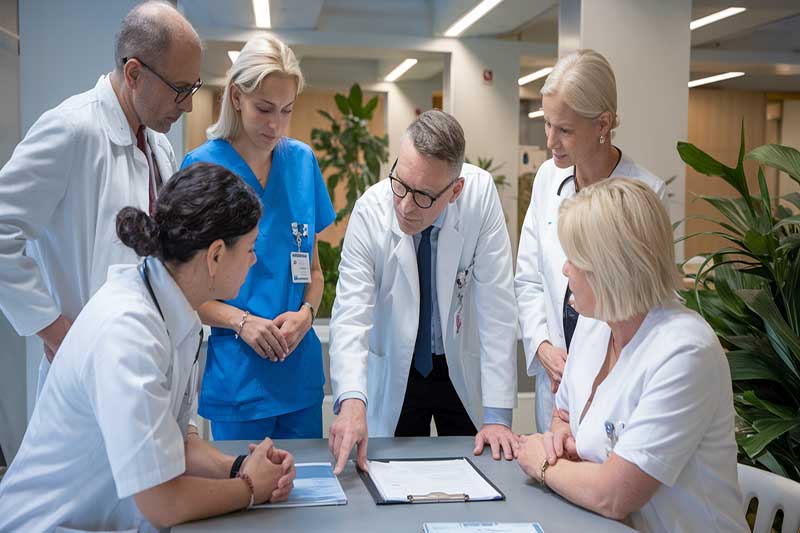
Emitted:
<point x="498" y="437"/>
<point x="348" y="430"/>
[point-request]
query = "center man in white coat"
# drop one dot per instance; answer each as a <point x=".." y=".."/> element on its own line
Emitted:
<point x="424" y="321"/>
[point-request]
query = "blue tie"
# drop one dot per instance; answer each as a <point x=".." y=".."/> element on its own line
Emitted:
<point x="423" y="360"/>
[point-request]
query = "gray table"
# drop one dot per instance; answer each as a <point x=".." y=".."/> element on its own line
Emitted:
<point x="525" y="502"/>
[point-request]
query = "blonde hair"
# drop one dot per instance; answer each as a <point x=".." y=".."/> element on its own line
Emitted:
<point x="585" y="81"/>
<point x="259" y="58"/>
<point x="619" y="233"/>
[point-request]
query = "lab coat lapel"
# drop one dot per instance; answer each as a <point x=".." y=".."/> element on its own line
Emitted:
<point x="406" y="256"/>
<point x="448" y="256"/>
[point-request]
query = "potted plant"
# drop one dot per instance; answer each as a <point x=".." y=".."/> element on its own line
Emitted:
<point x="749" y="292"/>
<point x="355" y="156"/>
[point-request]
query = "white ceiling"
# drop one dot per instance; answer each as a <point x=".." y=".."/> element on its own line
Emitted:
<point x="764" y="41"/>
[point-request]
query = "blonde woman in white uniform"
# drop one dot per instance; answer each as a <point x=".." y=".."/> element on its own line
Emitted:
<point x="111" y="444"/>
<point x="645" y="422"/>
<point x="579" y="99"/>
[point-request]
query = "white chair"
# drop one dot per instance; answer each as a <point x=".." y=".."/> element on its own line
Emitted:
<point x="772" y="492"/>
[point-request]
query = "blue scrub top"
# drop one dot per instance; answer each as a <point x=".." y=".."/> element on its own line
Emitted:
<point x="238" y="385"/>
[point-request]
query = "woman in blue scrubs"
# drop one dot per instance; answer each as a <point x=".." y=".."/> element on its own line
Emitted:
<point x="264" y="374"/>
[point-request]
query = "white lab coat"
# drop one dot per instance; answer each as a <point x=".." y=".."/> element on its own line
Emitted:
<point x="376" y="312"/>
<point x="113" y="414"/>
<point x="60" y="193"/>
<point x="539" y="282"/>
<point x="670" y="400"/>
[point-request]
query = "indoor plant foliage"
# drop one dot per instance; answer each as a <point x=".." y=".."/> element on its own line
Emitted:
<point x="749" y="292"/>
<point x="349" y="148"/>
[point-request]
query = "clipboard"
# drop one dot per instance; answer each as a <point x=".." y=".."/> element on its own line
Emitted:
<point x="433" y="497"/>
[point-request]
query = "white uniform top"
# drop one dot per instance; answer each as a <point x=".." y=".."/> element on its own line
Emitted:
<point x="670" y="400"/>
<point x="60" y="192"/>
<point x="113" y="413"/>
<point x="540" y="286"/>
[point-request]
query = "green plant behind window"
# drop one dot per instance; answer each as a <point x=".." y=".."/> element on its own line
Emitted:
<point x="349" y="148"/>
<point x="749" y="292"/>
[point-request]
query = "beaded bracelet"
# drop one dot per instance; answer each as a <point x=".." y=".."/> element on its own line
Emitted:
<point x="241" y="325"/>
<point x="249" y="482"/>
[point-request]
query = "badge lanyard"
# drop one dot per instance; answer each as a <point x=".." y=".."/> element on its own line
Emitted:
<point x="300" y="261"/>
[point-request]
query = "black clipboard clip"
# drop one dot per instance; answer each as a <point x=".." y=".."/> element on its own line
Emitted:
<point x="438" y="497"/>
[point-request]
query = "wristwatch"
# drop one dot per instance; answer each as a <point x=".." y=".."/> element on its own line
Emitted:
<point x="237" y="465"/>
<point x="310" y="308"/>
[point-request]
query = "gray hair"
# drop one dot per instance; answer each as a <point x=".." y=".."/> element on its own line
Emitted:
<point x="146" y="33"/>
<point x="438" y="135"/>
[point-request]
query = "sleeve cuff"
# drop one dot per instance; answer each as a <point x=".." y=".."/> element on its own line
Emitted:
<point x="348" y="396"/>
<point x="498" y="415"/>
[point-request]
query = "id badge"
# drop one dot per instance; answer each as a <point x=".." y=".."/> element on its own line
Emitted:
<point x="301" y="267"/>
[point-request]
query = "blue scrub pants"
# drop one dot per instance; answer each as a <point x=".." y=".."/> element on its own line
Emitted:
<point x="302" y="424"/>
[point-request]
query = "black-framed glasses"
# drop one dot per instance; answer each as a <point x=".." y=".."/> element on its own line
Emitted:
<point x="421" y="198"/>
<point x="181" y="93"/>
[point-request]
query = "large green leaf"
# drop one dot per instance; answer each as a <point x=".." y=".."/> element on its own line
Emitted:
<point x="767" y="430"/>
<point x="785" y="341"/>
<point x="746" y="365"/>
<point x="784" y="158"/>
<point x="750" y="398"/>
<point x="370" y="107"/>
<point x="355" y="99"/>
<point x="700" y="161"/>
<point x="342" y="104"/>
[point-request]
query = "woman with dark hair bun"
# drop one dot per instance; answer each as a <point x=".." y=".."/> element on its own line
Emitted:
<point x="112" y="444"/>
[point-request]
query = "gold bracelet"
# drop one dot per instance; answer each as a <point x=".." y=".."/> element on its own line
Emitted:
<point x="545" y="466"/>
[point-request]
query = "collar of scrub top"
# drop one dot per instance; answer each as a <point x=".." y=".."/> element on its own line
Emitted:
<point x="143" y="273"/>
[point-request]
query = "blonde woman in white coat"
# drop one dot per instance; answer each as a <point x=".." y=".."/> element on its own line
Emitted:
<point x="579" y="100"/>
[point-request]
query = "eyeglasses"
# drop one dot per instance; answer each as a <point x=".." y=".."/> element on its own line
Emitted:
<point x="421" y="198"/>
<point x="181" y="93"/>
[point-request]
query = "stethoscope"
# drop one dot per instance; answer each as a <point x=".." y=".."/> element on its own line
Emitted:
<point x="143" y="273"/>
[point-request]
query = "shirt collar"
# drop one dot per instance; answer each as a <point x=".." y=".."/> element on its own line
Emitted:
<point x="180" y="318"/>
<point x="115" y="122"/>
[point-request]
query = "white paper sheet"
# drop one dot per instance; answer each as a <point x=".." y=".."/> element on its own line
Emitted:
<point x="396" y="480"/>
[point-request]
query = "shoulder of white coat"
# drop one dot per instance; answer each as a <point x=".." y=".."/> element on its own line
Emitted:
<point x="479" y="187"/>
<point x="629" y="168"/>
<point x="682" y="333"/>
<point x="549" y="178"/>
<point x="78" y="112"/>
<point x="376" y="205"/>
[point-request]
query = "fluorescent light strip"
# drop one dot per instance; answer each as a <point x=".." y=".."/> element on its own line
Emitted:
<point x="535" y="75"/>
<point x="536" y="114"/>
<point x="471" y="18"/>
<point x="712" y="79"/>
<point x="400" y="69"/>
<point x="261" y="13"/>
<point x="715" y="17"/>
<point x="233" y="54"/>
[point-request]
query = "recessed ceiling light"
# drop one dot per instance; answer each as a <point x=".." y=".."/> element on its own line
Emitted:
<point x="261" y="13"/>
<point x="535" y="75"/>
<point x="536" y="114"/>
<point x="712" y="79"/>
<point x="471" y="18"/>
<point x="233" y="54"/>
<point x="400" y="69"/>
<point x="716" y="17"/>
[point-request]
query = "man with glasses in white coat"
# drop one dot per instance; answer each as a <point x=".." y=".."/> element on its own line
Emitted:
<point x="82" y="162"/>
<point x="424" y="321"/>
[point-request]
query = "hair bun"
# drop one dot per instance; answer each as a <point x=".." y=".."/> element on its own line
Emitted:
<point x="136" y="229"/>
